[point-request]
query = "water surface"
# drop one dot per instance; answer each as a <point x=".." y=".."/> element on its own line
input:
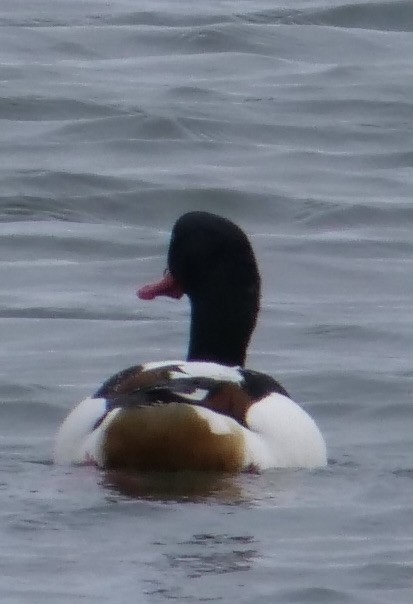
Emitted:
<point x="294" y="120"/>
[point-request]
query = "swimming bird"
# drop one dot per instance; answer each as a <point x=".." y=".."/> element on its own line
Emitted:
<point x="208" y="412"/>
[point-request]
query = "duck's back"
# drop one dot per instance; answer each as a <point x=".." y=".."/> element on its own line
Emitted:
<point x="189" y="415"/>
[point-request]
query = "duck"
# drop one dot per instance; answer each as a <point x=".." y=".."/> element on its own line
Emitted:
<point x="208" y="412"/>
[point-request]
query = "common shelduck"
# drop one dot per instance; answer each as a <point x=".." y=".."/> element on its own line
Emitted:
<point x="208" y="412"/>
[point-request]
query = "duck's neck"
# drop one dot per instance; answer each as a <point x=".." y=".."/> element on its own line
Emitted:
<point x="221" y="326"/>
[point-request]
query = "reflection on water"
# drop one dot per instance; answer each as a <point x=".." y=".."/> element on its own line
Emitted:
<point x="189" y="565"/>
<point x="269" y="489"/>
<point x="217" y="554"/>
<point x="174" y="486"/>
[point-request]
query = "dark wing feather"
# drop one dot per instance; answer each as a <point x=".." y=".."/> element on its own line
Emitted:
<point x="258" y="385"/>
<point x="165" y="391"/>
<point x="137" y="387"/>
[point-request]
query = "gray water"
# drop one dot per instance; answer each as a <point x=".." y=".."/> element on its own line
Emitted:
<point x="294" y="120"/>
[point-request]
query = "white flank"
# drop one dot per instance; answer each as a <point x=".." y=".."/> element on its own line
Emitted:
<point x="218" y="423"/>
<point x="91" y="449"/>
<point x="282" y="435"/>
<point x="76" y="429"/>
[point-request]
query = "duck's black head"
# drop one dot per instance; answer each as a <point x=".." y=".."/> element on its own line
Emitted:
<point x="212" y="261"/>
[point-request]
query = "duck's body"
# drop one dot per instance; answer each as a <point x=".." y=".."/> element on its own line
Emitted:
<point x="206" y="413"/>
<point x="190" y="415"/>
